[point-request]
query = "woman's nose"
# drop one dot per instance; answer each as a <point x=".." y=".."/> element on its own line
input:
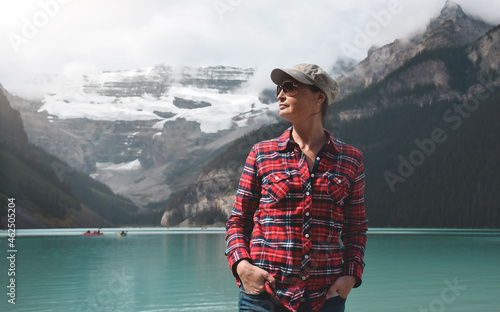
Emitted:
<point x="281" y="95"/>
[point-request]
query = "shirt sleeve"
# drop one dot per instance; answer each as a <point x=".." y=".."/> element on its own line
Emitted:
<point x="240" y="224"/>
<point x="355" y="227"/>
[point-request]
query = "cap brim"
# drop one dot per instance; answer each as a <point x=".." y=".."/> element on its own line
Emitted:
<point x="278" y="75"/>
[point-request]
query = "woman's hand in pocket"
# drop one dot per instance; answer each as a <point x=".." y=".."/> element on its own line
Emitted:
<point x="254" y="278"/>
<point x="343" y="286"/>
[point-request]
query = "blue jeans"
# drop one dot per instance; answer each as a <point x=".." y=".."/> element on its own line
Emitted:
<point x="264" y="302"/>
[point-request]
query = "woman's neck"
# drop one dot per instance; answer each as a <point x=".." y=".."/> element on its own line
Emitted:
<point x="310" y="136"/>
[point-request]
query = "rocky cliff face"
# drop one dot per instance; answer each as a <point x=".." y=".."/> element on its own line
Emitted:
<point x="485" y="52"/>
<point x="451" y="28"/>
<point x="11" y="126"/>
<point x="157" y="80"/>
<point x="209" y="194"/>
<point x="220" y="78"/>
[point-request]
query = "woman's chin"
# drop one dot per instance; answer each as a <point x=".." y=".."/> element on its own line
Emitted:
<point x="285" y="114"/>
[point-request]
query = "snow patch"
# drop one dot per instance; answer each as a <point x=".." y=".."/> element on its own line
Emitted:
<point x="133" y="165"/>
<point x="219" y="116"/>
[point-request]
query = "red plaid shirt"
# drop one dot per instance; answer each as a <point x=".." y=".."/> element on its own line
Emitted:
<point x="287" y="221"/>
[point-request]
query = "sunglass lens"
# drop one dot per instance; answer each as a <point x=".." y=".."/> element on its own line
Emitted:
<point x="288" y="87"/>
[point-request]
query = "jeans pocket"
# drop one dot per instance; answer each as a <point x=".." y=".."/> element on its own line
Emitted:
<point x="255" y="302"/>
<point x="334" y="304"/>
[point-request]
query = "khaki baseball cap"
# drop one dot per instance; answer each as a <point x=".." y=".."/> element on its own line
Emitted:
<point x="309" y="74"/>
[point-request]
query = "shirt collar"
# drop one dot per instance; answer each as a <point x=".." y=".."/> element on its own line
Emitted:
<point x="285" y="139"/>
<point x="332" y="141"/>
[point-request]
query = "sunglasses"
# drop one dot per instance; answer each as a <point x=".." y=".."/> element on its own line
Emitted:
<point x="288" y="87"/>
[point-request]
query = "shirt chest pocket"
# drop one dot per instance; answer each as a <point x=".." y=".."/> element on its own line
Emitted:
<point x="338" y="189"/>
<point x="276" y="186"/>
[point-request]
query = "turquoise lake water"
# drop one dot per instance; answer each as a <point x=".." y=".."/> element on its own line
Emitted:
<point x="186" y="270"/>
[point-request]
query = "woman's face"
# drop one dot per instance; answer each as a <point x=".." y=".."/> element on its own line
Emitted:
<point x="301" y="105"/>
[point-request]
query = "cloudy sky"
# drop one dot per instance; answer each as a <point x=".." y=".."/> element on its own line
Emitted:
<point x="74" y="37"/>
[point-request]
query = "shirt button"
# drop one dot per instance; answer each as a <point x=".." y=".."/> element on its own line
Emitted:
<point x="317" y="158"/>
<point x="276" y="178"/>
<point x="306" y="256"/>
<point x="304" y="278"/>
<point x="307" y="235"/>
<point x="307" y="193"/>
<point x="312" y="175"/>
<point x="307" y="214"/>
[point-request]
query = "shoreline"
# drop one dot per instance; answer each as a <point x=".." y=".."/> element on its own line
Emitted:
<point x="222" y="230"/>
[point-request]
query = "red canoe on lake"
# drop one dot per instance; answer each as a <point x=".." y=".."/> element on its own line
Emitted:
<point x="92" y="233"/>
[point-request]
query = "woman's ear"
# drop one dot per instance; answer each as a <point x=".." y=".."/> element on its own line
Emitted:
<point x="321" y="97"/>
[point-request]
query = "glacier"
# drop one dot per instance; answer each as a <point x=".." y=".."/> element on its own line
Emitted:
<point x="142" y="94"/>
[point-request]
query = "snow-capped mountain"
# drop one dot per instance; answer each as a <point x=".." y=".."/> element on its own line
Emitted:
<point x="136" y="130"/>
<point x="451" y="28"/>
<point x="161" y="94"/>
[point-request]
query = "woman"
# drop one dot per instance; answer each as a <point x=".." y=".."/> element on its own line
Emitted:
<point x="298" y="194"/>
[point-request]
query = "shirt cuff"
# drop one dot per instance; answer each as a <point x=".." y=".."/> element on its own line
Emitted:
<point x="235" y="265"/>
<point x="235" y="257"/>
<point x="355" y="269"/>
